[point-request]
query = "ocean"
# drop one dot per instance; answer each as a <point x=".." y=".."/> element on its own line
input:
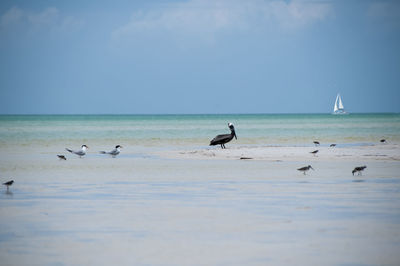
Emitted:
<point x="196" y="130"/>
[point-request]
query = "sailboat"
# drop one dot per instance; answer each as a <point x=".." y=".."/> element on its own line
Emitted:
<point x="338" y="109"/>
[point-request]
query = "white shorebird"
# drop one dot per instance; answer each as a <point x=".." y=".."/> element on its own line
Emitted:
<point x="114" y="152"/>
<point x="80" y="153"/>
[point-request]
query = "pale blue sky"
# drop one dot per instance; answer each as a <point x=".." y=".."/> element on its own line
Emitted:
<point x="198" y="56"/>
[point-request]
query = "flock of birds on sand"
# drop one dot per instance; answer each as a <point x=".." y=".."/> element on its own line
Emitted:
<point x="218" y="140"/>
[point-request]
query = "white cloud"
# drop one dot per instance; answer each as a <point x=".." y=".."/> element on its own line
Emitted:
<point x="12" y="16"/>
<point x="46" y="19"/>
<point x="212" y="16"/>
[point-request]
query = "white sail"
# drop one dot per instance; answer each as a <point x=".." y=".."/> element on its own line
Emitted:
<point x="339" y="108"/>
<point x="335" y="108"/>
<point x="340" y="103"/>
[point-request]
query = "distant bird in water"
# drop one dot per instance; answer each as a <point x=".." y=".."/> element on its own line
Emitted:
<point x="8" y="183"/>
<point x="80" y="153"/>
<point x="305" y="169"/>
<point x="358" y="170"/>
<point x="332" y="145"/>
<point x="383" y="140"/>
<point x="62" y="157"/>
<point x="316" y="143"/>
<point x="315" y="152"/>
<point x="225" y="138"/>
<point x="114" y="152"/>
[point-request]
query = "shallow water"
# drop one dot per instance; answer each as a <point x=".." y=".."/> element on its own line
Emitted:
<point x="142" y="209"/>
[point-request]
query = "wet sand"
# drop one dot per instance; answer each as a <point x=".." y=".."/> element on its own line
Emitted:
<point x="203" y="206"/>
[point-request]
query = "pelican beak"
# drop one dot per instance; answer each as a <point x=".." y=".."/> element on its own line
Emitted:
<point x="235" y="136"/>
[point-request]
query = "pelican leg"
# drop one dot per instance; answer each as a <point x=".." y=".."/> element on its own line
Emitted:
<point x="224" y="146"/>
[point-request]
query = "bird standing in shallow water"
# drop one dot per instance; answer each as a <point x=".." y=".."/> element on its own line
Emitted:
<point x="8" y="183"/>
<point x="80" y="153"/>
<point x="114" y="152"/>
<point x="314" y="152"/>
<point x="225" y="138"/>
<point x="332" y="145"/>
<point x="316" y="143"/>
<point x="62" y="157"/>
<point x="358" y="170"/>
<point x="305" y="169"/>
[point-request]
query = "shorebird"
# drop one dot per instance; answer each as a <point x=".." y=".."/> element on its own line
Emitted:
<point x="358" y="169"/>
<point x="8" y="183"/>
<point x="332" y="145"/>
<point x="383" y="140"/>
<point x="114" y="152"/>
<point x="305" y="169"/>
<point x="314" y="152"/>
<point x="225" y="138"/>
<point x="62" y="157"/>
<point x="80" y="153"/>
<point x="316" y="143"/>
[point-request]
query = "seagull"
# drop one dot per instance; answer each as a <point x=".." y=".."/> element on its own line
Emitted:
<point x="62" y="157"/>
<point x="80" y="153"/>
<point x="316" y="143"/>
<point x="225" y="138"/>
<point x="305" y="169"/>
<point x="8" y="183"/>
<point x="358" y="169"/>
<point x="114" y="152"/>
<point x="314" y="152"/>
<point x="332" y="145"/>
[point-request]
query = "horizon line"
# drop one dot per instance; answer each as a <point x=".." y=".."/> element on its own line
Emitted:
<point x="160" y="114"/>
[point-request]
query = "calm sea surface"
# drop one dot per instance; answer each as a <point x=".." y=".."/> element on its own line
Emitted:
<point x="197" y="130"/>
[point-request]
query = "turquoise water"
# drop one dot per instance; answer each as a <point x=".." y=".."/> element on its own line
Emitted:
<point x="150" y="130"/>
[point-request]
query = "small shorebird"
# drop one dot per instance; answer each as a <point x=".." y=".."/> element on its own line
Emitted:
<point x="114" y="152"/>
<point x="316" y="143"/>
<point x="225" y="138"/>
<point x="332" y="145"/>
<point x="80" y="153"/>
<point x="314" y="152"/>
<point x="358" y="169"/>
<point x="62" y="157"/>
<point x="305" y="169"/>
<point x="383" y="140"/>
<point x="8" y="183"/>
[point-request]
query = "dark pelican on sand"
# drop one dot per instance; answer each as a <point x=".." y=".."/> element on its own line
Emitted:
<point x="225" y="138"/>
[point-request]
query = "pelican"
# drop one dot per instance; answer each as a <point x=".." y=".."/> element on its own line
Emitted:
<point x="80" y="153"/>
<point x="225" y="138"/>
<point x="305" y="169"/>
<point x="358" y="169"/>
<point x="314" y="152"/>
<point x="114" y="152"/>
<point x="332" y="145"/>
<point x="316" y="143"/>
<point x="383" y="140"/>
<point x="8" y="183"/>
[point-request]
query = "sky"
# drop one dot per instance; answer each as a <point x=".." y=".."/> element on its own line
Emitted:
<point x="198" y="56"/>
